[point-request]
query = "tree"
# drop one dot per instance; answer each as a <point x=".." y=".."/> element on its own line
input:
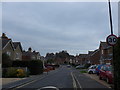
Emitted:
<point x="50" y="61"/>
<point x="6" y="62"/>
<point x="50" y="56"/>
<point x="116" y="63"/>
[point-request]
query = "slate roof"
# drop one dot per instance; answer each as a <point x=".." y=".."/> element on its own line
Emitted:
<point x="83" y="55"/>
<point x="16" y="44"/>
<point x="29" y="53"/>
<point x="94" y="52"/>
<point x="5" y="42"/>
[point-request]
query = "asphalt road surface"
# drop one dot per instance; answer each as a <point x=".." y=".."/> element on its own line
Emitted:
<point x="65" y="78"/>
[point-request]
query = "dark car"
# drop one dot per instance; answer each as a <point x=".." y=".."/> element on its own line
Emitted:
<point x="98" y="67"/>
<point x="80" y="67"/>
<point x="106" y="73"/>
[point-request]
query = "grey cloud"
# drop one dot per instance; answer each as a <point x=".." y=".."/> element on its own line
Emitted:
<point x="50" y="27"/>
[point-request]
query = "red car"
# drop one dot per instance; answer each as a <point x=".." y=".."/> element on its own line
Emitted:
<point x="106" y="73"/>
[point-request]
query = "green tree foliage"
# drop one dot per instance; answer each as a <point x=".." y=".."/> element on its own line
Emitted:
<point x="6" y="62"/>
<point x="116" y="63"/>
<point x="50" y="61"/>
<point x="50" y="56"/>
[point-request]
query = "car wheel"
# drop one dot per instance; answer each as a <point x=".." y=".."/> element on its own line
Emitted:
<point x="90" y="72"/>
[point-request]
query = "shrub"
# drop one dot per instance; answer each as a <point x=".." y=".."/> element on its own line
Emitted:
<point x="6" y="62"/>
<point x="4" y="71"/>
<point x="20" y="73"/>
<point x="83" y="71"/>
<point x="11" y="72"/>
<point x="35" y="67"/>
<point x="15" y="72"/>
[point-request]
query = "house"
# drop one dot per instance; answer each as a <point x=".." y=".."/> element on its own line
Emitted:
<point x="82" y="59"/>
<point x="18" y="50"/>
<point x="30" y="55"/>
<point x="13" y="49"/>
<point x="105" y="53"/>
<point x="7" y="46"/>
<point x="94" y="57"/>
<point x="88" y="58"/>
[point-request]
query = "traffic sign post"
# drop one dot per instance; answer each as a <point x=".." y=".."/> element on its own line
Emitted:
<point x="111" y="40"/>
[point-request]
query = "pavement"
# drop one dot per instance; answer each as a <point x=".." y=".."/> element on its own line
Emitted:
<point x="95" y="77"/>
<point x="10" y="80"/>
<point x="14" y="82"/>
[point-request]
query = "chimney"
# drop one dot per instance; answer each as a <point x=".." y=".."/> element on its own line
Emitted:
<point x="34" y="51"/>
<point x="29" y="49"/>
<point x="4" y="36"/>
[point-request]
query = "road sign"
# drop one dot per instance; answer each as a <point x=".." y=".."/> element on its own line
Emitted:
<point x="111" y="40"/>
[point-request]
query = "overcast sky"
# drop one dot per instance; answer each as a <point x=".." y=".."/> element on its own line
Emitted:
<point x="55" y="26"/>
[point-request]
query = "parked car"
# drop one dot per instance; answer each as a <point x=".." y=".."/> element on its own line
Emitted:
<point x="98" y="67"/>
<point x="92" y="69"/>
<point x="50" y="67"/>
<point x="106" y="73"/>
<point x="79" y="67"/>
<point x="68" y="66"/>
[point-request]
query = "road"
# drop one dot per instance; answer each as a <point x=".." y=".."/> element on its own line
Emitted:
<point x="64" y="78"/>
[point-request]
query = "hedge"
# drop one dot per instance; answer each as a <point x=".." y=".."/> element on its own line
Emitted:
<point x="35" y="66"/>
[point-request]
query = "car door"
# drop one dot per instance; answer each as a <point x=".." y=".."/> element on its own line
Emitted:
<point x="102" y="72"/>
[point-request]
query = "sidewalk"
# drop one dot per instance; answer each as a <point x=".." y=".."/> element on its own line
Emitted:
<point x="14" y="82"/>
<point x="10" y="80"/>
<point x="95" y="77"/>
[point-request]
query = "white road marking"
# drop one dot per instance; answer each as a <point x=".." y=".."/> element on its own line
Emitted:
<point x="78" y="83"/>
<point x="74" y="83"/>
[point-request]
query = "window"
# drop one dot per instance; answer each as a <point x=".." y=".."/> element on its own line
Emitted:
<point x="33" y="57"/>
<point x="8" y="53"/>
<point x="17" y="56"/>
<point x="102" y="51"/>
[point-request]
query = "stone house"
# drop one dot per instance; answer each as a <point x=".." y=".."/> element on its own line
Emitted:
<point x="7" y="46"/>
<point x="18" y="50"/>
<point x="30" y="55"/>
<point x="13" y="49"/>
